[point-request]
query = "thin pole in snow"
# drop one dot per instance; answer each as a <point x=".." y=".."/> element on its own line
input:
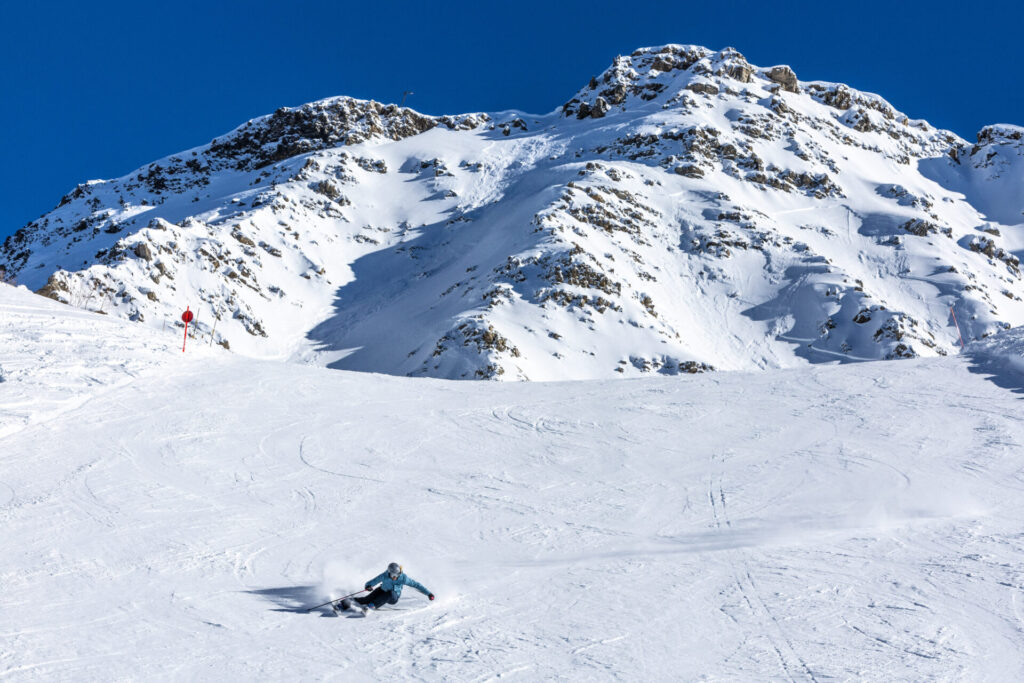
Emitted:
<point x="957" y="327"/>
<point x="186" y="317"/>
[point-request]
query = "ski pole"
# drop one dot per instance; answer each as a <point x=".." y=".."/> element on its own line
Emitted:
<point x="336" y="600"/>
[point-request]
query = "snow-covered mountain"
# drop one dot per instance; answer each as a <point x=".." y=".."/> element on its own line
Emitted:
<point x="683" y="211"/>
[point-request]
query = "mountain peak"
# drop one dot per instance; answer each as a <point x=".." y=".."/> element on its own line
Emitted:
<point x="1002" y="134"/>
<point x="662" y="72"/>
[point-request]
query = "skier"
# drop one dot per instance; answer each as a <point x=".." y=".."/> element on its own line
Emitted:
<point x="389" y="590"/>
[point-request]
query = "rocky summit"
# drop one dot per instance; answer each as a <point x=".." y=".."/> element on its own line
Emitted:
<point x="684" y="211"/>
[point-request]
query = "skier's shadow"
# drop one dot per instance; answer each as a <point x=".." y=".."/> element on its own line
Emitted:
<point x="295" y="599"/>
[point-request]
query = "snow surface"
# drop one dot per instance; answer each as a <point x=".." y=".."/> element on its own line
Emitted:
<point x="171" y="516"/>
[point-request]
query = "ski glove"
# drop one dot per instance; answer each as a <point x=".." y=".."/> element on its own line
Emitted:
<point x="431" y="596"/>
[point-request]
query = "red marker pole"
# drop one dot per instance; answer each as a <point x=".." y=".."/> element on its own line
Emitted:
<point x="957" y="327"/>
<point x="187" y="316"/>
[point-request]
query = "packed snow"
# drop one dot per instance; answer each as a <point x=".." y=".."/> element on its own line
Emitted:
<point x="172" y="515"/>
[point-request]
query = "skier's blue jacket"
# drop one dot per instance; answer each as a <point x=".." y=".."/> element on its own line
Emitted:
<point x="394" y="586"/>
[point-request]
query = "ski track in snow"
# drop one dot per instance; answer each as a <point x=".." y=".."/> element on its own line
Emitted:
<point x="175" y="521"/>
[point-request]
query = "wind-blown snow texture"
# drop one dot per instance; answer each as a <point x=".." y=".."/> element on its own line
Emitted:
<point x="684" y="211"/>
<point x="170" y="517"/>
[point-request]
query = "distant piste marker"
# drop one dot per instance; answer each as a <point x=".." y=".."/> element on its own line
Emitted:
<point x="958" y="333"/>
<point x="187" y="317"/>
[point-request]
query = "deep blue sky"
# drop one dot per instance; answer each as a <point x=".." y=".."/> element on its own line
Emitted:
<point x="96" y="89"/>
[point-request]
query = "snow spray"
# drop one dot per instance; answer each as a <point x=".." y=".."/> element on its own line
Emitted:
<point x="343" y="576"/>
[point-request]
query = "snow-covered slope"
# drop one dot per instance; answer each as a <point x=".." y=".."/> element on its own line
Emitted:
<point x="55" y="359"/>
<point x="686" y="210"/>
<point x="859" y="522"/>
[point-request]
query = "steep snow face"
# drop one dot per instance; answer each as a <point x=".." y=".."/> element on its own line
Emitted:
<point x="684" y="211"/>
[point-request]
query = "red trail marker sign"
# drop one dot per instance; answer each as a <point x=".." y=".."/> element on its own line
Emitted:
<point x="187" y="317"/>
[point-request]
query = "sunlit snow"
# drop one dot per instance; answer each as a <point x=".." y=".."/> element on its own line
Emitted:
<point x="171" y="516"/>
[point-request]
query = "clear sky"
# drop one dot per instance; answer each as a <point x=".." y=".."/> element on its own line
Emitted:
<point x="97" y="89"/>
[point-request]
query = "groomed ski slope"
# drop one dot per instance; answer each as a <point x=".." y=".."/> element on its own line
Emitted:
<point x="168" y="517"/>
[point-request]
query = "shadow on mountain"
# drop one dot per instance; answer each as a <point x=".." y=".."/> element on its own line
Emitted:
<point x="296" y="599"/>
<point x="800" y="300"/>
<point x="993" y="199"/>
<point x="376" y="322"/>
<point x="1003" y="371"/>
<point x="879" y="225"/>
<point x="404" y="298"/>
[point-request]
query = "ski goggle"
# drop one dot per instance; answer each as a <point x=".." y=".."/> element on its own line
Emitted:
<point x="395" y="575"/>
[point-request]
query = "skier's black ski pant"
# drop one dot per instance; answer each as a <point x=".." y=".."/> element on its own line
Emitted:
<point x="377" y="598"/>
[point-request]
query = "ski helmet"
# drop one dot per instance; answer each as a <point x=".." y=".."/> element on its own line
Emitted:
<point x="394" y="569"/>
